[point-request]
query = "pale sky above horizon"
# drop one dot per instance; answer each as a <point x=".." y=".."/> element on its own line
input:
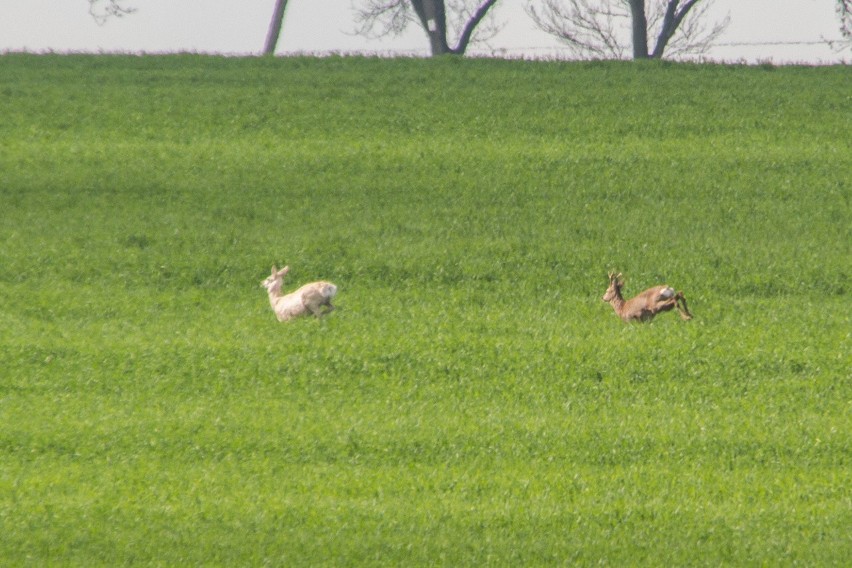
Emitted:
<point x="327" y="26"/>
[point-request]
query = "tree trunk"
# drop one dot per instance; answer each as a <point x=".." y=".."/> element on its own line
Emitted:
<point x="640" y="29"/>
<point x="433" y="17"/>
<point x="275" y="27"/>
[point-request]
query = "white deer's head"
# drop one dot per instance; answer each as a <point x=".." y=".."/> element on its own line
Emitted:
<point x="273" y="281"/>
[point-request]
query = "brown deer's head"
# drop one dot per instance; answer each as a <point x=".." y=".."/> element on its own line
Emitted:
<point x="614" y="290"/>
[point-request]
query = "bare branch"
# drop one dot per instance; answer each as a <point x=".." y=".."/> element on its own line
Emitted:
<point x="391" y="17"/>
<point x="470" y="20"/>
<point x="610" y="28"/>
<point x="693" y="37"/>
<point x="474" y="20"/>
<point x="103" y="10"/>
<point x="684" y="32"/>
<point x="589" y="29"/>
<point x="844" y="12"/>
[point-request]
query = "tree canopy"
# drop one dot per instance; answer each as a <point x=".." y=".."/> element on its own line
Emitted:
<point x="440" y="19"/>
<point x="102" y="10"/>
<point x="614" y="28"/>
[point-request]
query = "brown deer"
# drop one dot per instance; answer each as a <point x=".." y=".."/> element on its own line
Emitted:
<point x="309" y="299"/>
<point x="646" y="305"/>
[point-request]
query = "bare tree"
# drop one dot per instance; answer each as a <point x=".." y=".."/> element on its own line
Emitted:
<point x="844" y="10"/>
<point x="377" y="18"/>
<point x="103" y="10"/>
<point x="275" y="27"/>
<point x="844" y="13"/>
<point x="609" y="28"/>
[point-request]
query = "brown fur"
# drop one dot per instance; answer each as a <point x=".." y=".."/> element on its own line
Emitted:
<point x="645" y="305"/>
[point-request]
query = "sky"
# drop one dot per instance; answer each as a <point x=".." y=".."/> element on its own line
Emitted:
<point x="321" y="27"/>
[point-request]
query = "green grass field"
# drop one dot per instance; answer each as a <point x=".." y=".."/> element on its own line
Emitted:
<point x="472" y="402"/>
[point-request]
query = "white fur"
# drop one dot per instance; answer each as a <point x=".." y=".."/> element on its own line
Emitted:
<point x="666" y="293"/>
<point x="314" y="298"/>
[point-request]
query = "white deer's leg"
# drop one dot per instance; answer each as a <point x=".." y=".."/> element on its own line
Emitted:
<point x="315" y="306"/>
<point x="315" y="310"/>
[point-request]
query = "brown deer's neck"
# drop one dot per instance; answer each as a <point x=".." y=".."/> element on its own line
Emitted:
<point x="617" y="302"/>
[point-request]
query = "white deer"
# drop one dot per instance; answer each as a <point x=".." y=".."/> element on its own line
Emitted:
<point x="309" y="299"/>
<point x="644" y="306"/>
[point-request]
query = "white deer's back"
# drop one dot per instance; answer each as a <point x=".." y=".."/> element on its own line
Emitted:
<point x="289" y="306"/>
<point x="313" y="298"/>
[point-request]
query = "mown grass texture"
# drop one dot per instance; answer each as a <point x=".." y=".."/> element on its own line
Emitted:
<point x="472" y="401"/>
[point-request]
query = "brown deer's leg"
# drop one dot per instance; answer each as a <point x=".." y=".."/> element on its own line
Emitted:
<point x="681" y="307"/>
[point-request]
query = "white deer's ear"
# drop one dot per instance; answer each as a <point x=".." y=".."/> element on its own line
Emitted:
<point x="274" y="270"/>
